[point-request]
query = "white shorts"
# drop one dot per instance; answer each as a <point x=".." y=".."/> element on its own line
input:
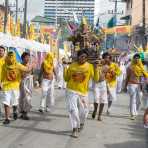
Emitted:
<point x="112" y="95"/>
<point x="11" y="97"/>
<point x="73" y="99"/>
<point x="100" y="92"/>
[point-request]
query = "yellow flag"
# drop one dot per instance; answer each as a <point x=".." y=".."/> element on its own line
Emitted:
<point x="140" y="49"/>
<point x="31" y="32"/>
<point x="27" y="32"/>
<point x="8" y="24"/>
<point x="77" y="47"/>
<point x="84" y="20"/>
<point x="1" y="26"/>
<point x="18" y="28"/>
<point x="12" y="25"/>
<point x="54" y="46"/>
<point x="66" y="48"/>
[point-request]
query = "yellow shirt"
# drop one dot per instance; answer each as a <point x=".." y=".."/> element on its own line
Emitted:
<point x="9" y="85"/>
<point x="77" y="77"/>
<point x="1" y="65"/>
<point x="116" y="70"/>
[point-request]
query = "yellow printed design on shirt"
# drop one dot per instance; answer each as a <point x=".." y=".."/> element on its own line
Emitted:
<point x="112" y="74"/>
<point x="11" y="75"/>
<point x="78" y="77"/>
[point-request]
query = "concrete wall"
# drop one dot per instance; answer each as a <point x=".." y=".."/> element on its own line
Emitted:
<point x="137" y="12"/>
<point x="147" y="12"/>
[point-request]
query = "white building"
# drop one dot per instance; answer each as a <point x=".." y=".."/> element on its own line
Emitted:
<point x="69" y="9"/>
<point x="104" y="9"/>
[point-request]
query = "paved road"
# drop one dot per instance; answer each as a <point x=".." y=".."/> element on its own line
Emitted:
<point x="53" y="130"/>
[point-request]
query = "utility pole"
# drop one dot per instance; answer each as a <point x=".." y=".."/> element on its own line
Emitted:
<point x="6" y="15"/>
<point x="115" y="19"/>
<point x="143" y="27"/>
<point x="25" y="19"/>
<point x="56" y="14"/>
<point x="16" y="17"/>
<point x="115" y="12"/>
<point x="116" y="9"/>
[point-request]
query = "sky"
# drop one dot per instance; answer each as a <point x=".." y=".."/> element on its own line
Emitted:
<point x="36" y="7"/>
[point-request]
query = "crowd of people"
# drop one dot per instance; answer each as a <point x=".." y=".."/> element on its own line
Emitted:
<point x="107" y="78"/>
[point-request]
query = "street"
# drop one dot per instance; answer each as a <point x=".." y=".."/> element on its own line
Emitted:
<point x="52" y="130"/>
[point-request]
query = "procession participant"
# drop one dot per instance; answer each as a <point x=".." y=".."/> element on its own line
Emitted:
<point x="121" y="78"/>
<point x="144" y="87"/>
<point x="2" y="54"/>
<point x="145" y="118"/>
<point x="100" y="91"/>
<point x="60" y="70"/>
<point x="11" y="77"/>
<point x="26" y="87"/>
<point x="112" y="71"/>
<point x="134" y="73"/>
<point x="91" y="96"/>
<point x="77" y="76"/>
<point x="47" y="72"/>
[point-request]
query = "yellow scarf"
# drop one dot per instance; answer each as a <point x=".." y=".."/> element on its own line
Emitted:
<point x="48" y="64"/>
<point x="10" y="67"/>
<point x="138" y="69"/>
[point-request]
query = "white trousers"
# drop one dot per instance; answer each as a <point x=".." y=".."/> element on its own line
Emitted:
<point x="135" y="98"/>
<point x="119" y="83"/>
<point x="1" y="96"/>
<point x="145" y="101"/>
<point x="77" y="107"/>
<point x="47" y="99"/>
<point x="61" y="82"/>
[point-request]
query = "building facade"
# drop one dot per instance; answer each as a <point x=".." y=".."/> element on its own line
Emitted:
<point x="105" y="11"/>
<point x="69" y="10"/>
<point x="134" y="13"/>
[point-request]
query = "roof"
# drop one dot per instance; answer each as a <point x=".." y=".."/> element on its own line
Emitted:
<point x="41" y="19"/>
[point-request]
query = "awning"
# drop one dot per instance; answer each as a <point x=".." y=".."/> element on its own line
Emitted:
<point x="127" y="17"/>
